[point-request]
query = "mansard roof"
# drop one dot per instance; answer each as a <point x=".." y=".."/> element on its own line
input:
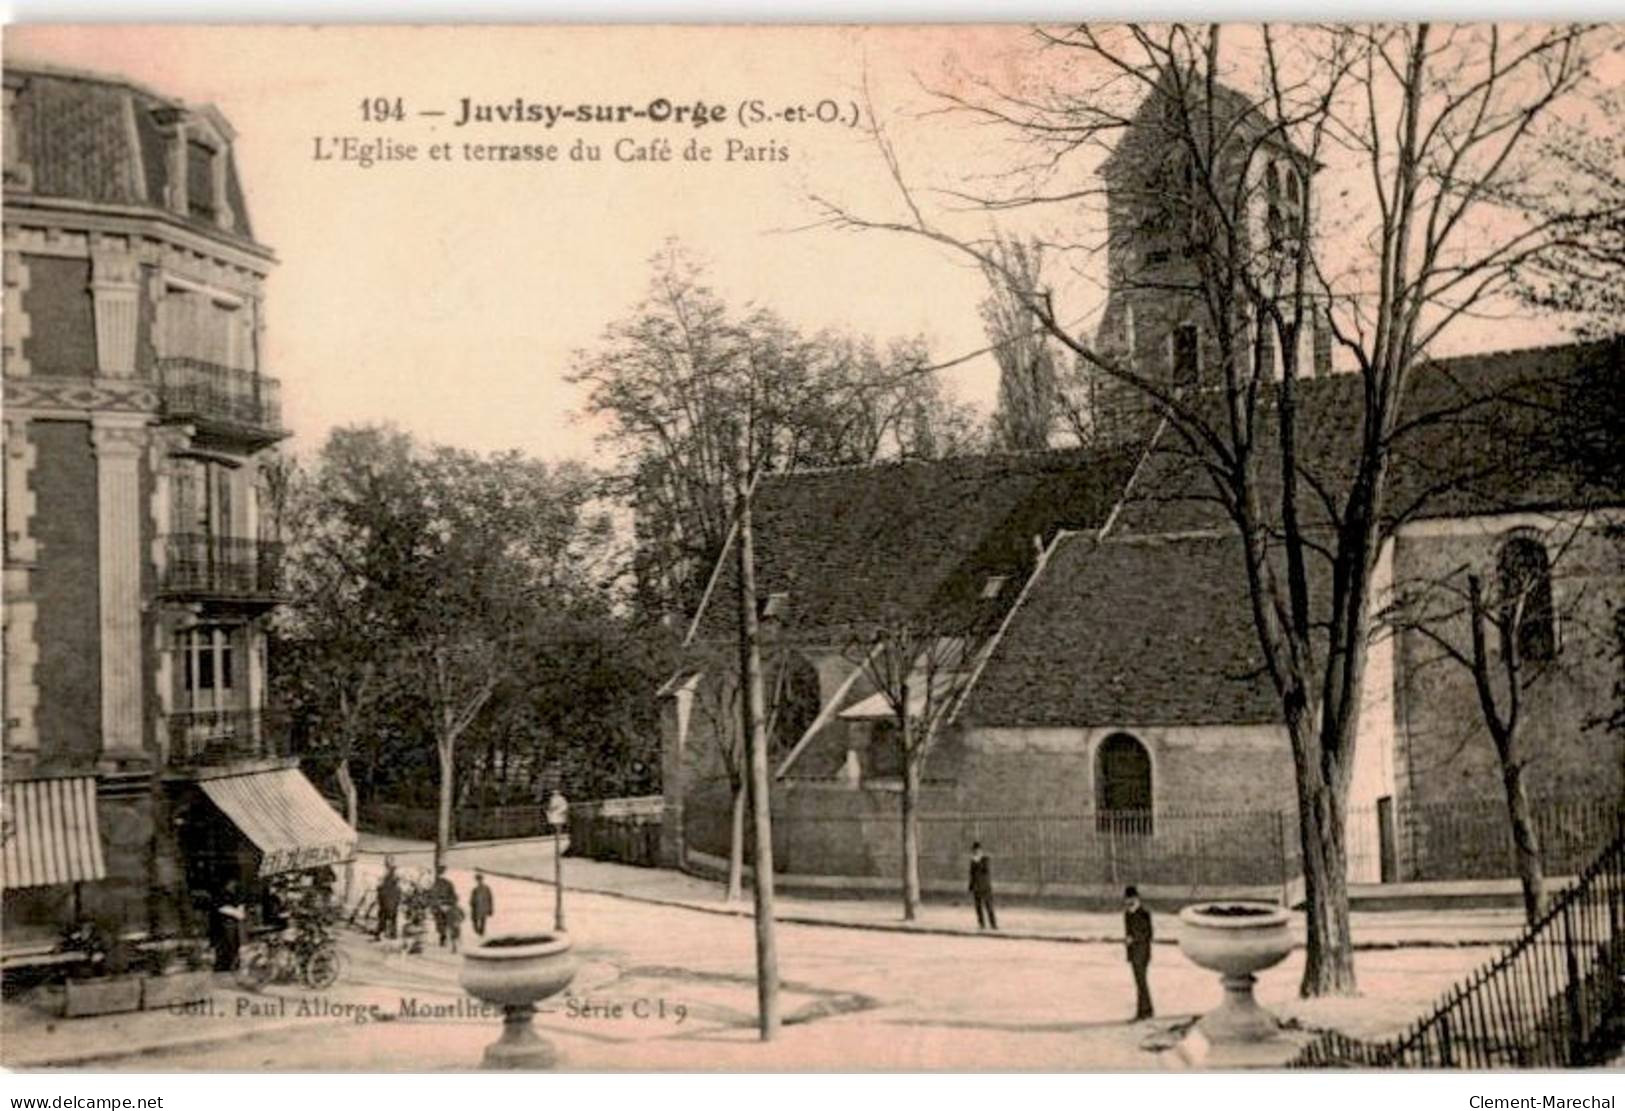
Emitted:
<point x="102" y="140"/>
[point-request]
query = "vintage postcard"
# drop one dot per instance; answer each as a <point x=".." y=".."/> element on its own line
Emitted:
<point x="835" y="548"/>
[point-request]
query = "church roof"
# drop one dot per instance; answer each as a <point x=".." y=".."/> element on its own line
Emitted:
<point x="1150" y="625"/>
<point x="1143" y="631"/>
<point x="1478" y="434"/>
<point x="918" y="538"/>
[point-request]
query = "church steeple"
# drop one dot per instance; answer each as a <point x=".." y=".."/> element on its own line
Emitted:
<point x="1183" y="166"/>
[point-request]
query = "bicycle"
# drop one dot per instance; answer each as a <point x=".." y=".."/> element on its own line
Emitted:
<point x="289" y="956"/>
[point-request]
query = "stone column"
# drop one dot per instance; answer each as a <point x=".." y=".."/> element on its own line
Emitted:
<point x="21" y="649"/>
<point x="115" y="284"/>
<point x="120" y="441"/>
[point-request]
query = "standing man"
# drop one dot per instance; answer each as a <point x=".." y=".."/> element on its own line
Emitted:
<point x="1137" y="932"/>
<point x="442" y="901"/>
<point x="981" y="887"/>
<point x="389" y="899"/>
<point x="480" y="904"/>
<point x="226" y="928"/>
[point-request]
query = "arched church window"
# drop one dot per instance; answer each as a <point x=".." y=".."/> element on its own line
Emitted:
<point x="1527" y="619"/>
<point x="1123" y="785"/>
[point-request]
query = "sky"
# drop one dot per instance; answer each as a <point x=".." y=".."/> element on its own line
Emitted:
<point x="449" y="297"/>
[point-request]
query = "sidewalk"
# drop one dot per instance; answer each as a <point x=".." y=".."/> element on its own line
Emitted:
<point x="33" y="1035"/>
<point x="533" y="860"/>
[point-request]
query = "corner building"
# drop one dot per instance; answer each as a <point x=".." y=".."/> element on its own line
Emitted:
<point x="143" y="765"/>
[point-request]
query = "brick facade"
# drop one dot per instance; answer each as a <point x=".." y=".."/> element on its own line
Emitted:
<point x="106" y="398"/>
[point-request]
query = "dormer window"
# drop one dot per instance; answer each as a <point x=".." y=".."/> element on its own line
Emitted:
<point x="776" y="606"/>
<point x="201" y="203"/>
<point x="199" y="144"/>
<point x="993" y="587"/>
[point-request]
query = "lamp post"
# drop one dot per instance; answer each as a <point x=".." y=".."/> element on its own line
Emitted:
<point x="558" y="812"/>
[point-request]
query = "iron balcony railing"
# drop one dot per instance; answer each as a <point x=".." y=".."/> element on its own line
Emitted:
<point x="200" y="564"/>
<point x="205" y="391"/>
<point x="200" y="738"/>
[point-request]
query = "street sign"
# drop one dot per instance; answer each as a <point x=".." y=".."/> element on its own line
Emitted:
<point x="558" y="810"/>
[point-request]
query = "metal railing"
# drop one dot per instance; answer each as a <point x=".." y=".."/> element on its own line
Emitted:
<point x="200" y="738"/>
<point x="854" y="833"/>
<point x="222" y="566"/>
<point x="207" y="391"/>
<point x="1554" y="998"/>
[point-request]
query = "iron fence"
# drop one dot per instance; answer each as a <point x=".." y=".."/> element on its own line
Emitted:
<point x="1554" y="998"/>
<point x="859" y="834"/>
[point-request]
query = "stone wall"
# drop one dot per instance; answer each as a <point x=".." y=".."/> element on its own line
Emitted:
<point x="1443" y="751"/>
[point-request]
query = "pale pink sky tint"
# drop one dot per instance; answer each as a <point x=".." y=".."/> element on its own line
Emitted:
<point x="448" y="297"/>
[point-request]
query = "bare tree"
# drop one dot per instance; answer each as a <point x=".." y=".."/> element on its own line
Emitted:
<point x="1503" y="633"/>
<point x="1585" y="274"/>
<point x="920" y="668"/>
<point x="716" y="698"/>
<point x="1419" y="135"/>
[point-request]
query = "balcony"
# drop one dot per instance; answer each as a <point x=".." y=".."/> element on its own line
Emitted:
<point x="205" y="567"/>
<point x="229" y="404"/>
<point x="212" y="738"/>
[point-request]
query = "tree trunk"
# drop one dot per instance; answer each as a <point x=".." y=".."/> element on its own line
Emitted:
<point x="442" y="837"/>
<point x="750" y="671"/>
<point x="353" y="816"/>
<point x="1525" y="842"/>
<point x="1328" y="967"/>
<point x="736" y="846"/>
<point x="911" y="839"/>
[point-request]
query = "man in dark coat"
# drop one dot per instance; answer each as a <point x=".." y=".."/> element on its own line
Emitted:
<point x="442" y="899"/>
<point x="480" y="904"/>
<point x="226" y="928"/>
<point x="389" y="899"/>
<point x="981" y="887"/>
<point x="1137" y="932"/>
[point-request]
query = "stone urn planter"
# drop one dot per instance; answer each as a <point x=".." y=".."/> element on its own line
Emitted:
<point x="1236" y="940"/>
<point x="515" y="972"/>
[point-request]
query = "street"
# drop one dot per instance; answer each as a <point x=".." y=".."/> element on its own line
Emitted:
<point x="672" y="988"/>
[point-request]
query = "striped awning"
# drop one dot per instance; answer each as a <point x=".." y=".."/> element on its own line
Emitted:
<point x="50" y="833"/>
<point x="289" y="822"/>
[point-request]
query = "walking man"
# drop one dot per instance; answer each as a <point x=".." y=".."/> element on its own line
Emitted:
<point x="981" y="887"/>
<point x="389" y="899"/>
<point x="480" y="904"/>
<point x="1137" y="932"/>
